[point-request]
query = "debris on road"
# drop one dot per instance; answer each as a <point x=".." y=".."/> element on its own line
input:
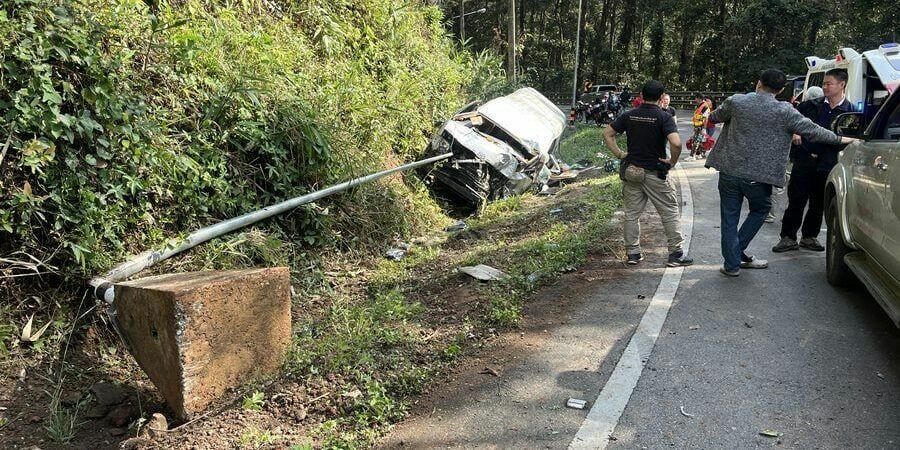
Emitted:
<point x="591" y="172"/>
<point x="641" y="297"/>
<point x="556" y="210"/>
<point x="27" y="336"/>
<point x="575" y="403"/>
<point x="489" y="371"/>
<point x="684" y="413"/>
<point x="880" y="375"/>
<point x="483" y="272"/>
<point x="694" y="327"/>
<point x="770" y="433"/>
<point x="460" y="225"/>
<point x="397" y="253"/>
<point x="748" y="325"/>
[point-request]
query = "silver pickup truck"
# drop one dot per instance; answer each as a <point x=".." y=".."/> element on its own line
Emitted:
<point x="862" y="206"/>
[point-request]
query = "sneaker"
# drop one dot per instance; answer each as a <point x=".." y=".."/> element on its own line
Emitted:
<point x="634" y="259"/>
<point x="785" y="244"/>
<point x="678" y="259"/>
<point x="770" y="218"/>
<point x="727" y="273"/>
<point x="811" y="244"/>
<point x="752" y="262"/>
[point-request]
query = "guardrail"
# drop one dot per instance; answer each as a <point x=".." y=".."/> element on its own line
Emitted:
<point x="685" y="99"/>
<point x="103" y="285"/>
<point x="680" y="99"/>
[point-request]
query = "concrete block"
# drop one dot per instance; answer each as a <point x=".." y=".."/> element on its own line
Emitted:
<point x="198" y="334"/>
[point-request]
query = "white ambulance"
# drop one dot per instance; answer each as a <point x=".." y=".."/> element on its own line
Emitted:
<point x="873" y="75"/>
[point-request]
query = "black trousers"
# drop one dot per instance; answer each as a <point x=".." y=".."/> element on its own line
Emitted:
<point x="807" y="187"/>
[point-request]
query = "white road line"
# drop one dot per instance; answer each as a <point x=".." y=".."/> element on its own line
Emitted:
<point x="604" y="415"/>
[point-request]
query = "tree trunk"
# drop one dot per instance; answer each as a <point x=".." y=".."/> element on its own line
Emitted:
<point x="657" y="43"/>
<point x="627" y="30"/>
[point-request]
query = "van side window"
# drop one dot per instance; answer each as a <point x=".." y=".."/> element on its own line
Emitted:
<point x="876" y="94"/>
<point x="816" y="79"/>
<point x="891" y="130"/>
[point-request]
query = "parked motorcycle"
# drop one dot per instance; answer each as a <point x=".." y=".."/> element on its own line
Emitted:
<point x="614" y="106"/>
<point x="581" y="111"/>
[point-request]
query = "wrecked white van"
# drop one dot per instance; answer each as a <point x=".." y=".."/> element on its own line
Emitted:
<point x="501" y="147"/>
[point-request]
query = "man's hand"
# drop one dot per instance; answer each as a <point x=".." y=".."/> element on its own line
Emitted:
<point x="848" y="140"/>
<point x="670" y="162"/>
<point x="796" y="139"/>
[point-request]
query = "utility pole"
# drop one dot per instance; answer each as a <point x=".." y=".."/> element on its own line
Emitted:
<point x="511" y="36"/>
<point x="577" y="54"/>
<point x="462" y="20"/>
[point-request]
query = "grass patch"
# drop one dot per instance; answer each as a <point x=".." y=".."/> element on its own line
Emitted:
<point x="583" y="144"/>
<point x="255" y="438"/>
<point x="389" y="274"/>
<point x="62" y="421"/>
<point x="506" y="210"/>
<point x="560" y="247"/>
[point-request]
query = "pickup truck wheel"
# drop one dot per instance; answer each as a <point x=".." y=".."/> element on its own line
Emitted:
<point x="837" y="272"/>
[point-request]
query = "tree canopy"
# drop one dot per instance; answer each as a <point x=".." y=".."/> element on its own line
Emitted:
<point x="718" y="45"/>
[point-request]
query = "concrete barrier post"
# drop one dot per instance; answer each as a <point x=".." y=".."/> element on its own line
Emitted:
<point x="198" y="334"/>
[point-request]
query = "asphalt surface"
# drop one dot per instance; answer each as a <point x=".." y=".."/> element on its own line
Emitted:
<point x="775" y="351"/>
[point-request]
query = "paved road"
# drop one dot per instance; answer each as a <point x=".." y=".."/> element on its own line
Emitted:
<point x="776" y="349"/>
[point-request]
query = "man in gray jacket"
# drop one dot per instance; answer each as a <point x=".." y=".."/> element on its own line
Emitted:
<point x="751" y="156"/>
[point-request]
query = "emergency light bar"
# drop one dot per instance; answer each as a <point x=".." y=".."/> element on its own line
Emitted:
<point x="847" y="53"/>
<point x="814" y="62"/>
<point x="889" y="48"/>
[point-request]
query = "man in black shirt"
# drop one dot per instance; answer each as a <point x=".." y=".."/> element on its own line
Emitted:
<point x="645" y="169"/>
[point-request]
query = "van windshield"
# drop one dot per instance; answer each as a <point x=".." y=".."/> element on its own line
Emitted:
<point x="895" y="61"/>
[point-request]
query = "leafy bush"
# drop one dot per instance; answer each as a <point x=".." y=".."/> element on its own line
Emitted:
<point x="125" y="126"/>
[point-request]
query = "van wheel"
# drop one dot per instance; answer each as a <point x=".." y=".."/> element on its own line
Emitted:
<point x="835" y="248"/>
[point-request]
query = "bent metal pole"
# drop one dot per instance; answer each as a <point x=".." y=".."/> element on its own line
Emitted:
<point x="103" y="286"/>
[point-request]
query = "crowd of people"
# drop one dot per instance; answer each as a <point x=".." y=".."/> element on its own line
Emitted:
<point x="760" y="135"/>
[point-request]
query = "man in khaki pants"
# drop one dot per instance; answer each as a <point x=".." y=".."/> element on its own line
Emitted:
<point x="645" y="172"/>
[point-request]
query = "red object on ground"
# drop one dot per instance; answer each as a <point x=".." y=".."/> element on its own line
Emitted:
<point x="708" y="142"/>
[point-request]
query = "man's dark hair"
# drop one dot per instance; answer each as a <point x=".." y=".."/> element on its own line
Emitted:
<point x="773" y="79"/>
<point x="652" y="90"/>
<point x="838" y="74"/>
<point x="698" y="95"/>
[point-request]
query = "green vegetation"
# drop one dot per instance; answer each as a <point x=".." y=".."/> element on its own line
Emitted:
<point x="559" y="247"/>
<point x="6" y="333"/>
<point x="61" y="420"/>
<point x="584" y="144"/>
<point x="126" y="126"/>
<point x="717" y="45"/>
<point x="254" y="402"/>
<point x="256" y="438"/>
